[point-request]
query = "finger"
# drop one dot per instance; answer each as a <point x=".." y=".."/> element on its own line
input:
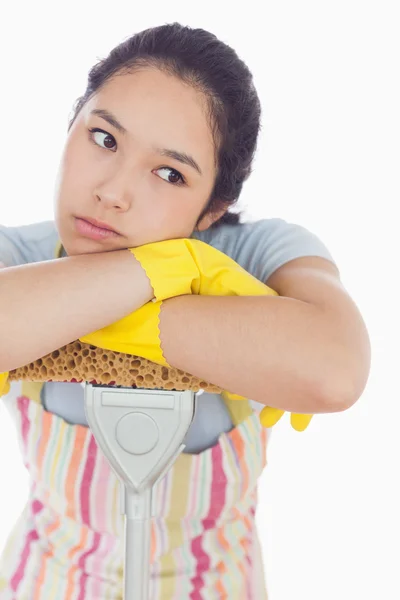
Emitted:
<point x="300" y="422"/>
<point x="4" y="384"/>
<point x="270" y="416"/>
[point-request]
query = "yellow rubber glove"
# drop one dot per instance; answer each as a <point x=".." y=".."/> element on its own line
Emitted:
<point x="137" y="334"/>
<point x="269" y="416"/>
<point x="183" y="266"/>
<point x="4" y="384"/>
<point x="177" y="267"/>
<point x="174" y="267"/>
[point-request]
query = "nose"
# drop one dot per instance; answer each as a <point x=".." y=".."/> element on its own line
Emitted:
<point x="115" y="191"/>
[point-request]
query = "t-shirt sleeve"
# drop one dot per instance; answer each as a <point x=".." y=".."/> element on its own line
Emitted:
<point x="261" y="247"/>
<point x="27" y="243"/>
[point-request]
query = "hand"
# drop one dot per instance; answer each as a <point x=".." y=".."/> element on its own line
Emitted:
<point x="137" y="334"/>
<point x="177" y="267"/>
<point x="184" y="266"/>
<point x="4" y="384"/>
<point x="269" y="416"/>
<point x="174" y="267"/>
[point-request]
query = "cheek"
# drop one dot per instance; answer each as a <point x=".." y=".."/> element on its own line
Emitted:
<point x="177" y="219"/>
<point x="75" y="172"/>
<point x="75" y="159"/>
<point x="163" y="217"/>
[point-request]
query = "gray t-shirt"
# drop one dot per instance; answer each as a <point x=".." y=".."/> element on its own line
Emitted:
<point x="260" y="247"/>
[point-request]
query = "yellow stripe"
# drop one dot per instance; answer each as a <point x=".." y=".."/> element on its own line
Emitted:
<point x="58" y="250"/>
<point x="56" y="455"/>
<point x="32" y="389"/>
<point x="239" y="410"/>
<point x="179" y="501"/>
<point x="178" y="507"/>
<point x="168" y="576"/>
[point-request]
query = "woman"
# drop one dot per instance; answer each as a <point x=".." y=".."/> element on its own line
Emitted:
<point x="159" y="147"/>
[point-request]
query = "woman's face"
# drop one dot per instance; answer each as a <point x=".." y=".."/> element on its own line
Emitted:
<point x="139" y="158"/>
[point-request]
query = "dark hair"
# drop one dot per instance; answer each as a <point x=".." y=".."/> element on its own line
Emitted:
<point x="198" y="58"/>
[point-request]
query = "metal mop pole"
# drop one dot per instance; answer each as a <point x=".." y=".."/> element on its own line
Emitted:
<point x="141" y="434"/>
<point x="137" y="545"/>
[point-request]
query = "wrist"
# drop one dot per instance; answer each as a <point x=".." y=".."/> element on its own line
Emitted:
<point x="139" y="282"/>
<point x="169" y="266"/>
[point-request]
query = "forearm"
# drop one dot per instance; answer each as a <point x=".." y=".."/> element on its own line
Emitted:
<point x="278" y="351"/>
<point x="45" y="305"/>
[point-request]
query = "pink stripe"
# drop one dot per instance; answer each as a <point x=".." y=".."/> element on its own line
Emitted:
<point x="162" y="529"/>
<point x="217" y="501"/>
<point x="37" y="506"/>
<point x="31" y="537"/>
<point x="250" y="580"/>
<point x="194" y="487"/>
<point x="87" y="481"/>
<point x="103" y="482"/>
<point x="99" y="560"/>
<point x="23" y="403"/>
<point x="85" y="510"/>
<point x="165" y="484"/>
<point x="81" y="563"/>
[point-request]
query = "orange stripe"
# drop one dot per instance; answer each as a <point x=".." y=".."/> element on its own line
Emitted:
<point x="240" y="447"/>
<point x="222" y="593"/>
<point x="236" y="512"/>
<point x="222" y="539"/>
<point x="264" y="439"/>
<point x="248" y="522"/>
<point x="241" y="517"/>
<point x="74" y="568"/>
<point x="46" y="556"/>
<point x="221" y="567"/>
<point x="74" y="464"/>
<point x="245" y="544"/>
<point x="242" y="569"/>
<point x="44" y="438"/>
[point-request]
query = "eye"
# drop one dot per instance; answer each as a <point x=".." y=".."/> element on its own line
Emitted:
<point x="103" y="139"/>
<point x="171" y="175"/>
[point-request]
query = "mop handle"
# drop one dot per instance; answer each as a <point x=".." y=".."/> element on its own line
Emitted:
<point x="137" y="545"/>
<point x="141" y="434"/>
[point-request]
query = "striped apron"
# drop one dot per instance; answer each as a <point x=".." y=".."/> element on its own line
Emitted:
<point x="68" y="543"/>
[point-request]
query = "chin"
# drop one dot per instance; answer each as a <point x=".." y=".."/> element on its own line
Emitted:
<point x="74" y="247"/>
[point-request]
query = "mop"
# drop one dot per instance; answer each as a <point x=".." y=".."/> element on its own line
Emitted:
<point x="140" y="430"/>
<point x="140" y="409"/>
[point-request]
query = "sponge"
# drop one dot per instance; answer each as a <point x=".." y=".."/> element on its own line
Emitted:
<point x="77" y="362"/>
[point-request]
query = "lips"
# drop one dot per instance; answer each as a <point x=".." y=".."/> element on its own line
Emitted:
<point x="99" y="224"/>
<point x="88" y="230"/>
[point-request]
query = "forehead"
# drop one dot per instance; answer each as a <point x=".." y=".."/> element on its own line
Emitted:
<point x="159" y="110"/>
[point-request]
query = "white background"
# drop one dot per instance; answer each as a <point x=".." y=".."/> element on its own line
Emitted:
<point x="328" y="75"/>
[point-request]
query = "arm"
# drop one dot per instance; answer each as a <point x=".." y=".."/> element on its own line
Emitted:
<point x="306" y="351"/>
<point x="45" y="305"/>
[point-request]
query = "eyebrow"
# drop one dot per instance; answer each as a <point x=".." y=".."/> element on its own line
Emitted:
<point x="107" y="116"/>
<point x="181" y="157"/>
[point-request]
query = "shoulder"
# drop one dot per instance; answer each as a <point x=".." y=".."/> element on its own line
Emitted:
<point x="28" y="243"/>
<point x="261" y="247"/>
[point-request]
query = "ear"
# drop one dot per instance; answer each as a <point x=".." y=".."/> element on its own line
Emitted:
<point x="210" y="218"/>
